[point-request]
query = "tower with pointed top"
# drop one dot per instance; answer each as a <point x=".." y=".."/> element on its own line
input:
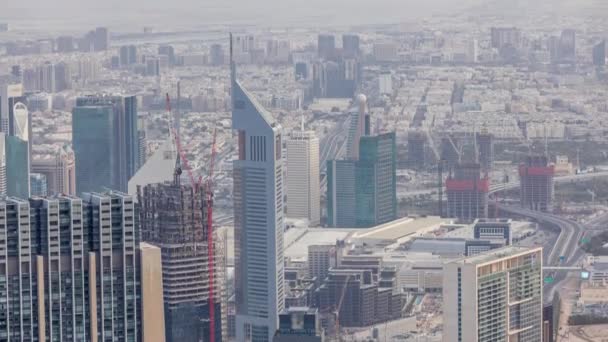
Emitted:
<point x="258" y="216"/>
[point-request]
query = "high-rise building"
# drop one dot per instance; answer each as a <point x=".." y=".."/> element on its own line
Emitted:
<point x="326" y="46"/>
<point x="59" y="169"/>
<point x="320" y="259"/>
<point x="359" y="126"/>
<point x="63" y="76"/>
<point x="303" y="198"/>
<point x="18" y="149"/>
<point x="46" y="76"/>
<point x="3" y="184"/>
<point x="502" y="37"/>
<point x="128" y="55"/>
<point x="258" y="217"/>
<point x="300" y="324"/>
<point x="38" y="185"/>
<point x="174" y="218"/>
<point x="169" y="51"/>
<point x="375" y="173"/>
<point x="567" y="46"/>
<point x="64" y="281"/>
<point x="494" y="296"/>
<point x="350" y="45"/>
<point x="153" y="66"/>
<point x="467" y="191"/>
<point x="599" y="54"/>
<point x="64" y="44"/>
<point x="106" y="142"/>
<point x="363" y="193"/>
<point x="536" y="183"/>
<point x="216" y="55"/>
<point x="101" y="41"/>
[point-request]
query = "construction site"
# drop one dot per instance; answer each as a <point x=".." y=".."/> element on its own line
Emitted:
<point x="537" y="186"/>
<point x="177" y="217"/>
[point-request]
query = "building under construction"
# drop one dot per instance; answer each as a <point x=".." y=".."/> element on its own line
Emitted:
<point x="536" y="183"/>
<point x="174" y="217"/>
<point x="467" y="190"/>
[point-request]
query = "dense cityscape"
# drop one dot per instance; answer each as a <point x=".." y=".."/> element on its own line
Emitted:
<point x="436" y="177"/>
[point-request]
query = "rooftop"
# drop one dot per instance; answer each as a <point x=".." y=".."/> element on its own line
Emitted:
<point x="496" y="254"/>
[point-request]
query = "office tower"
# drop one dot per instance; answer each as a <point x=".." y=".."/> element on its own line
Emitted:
<point x="174" y="218"/>
<point x="46" y="76"/>
<point x="216" y="55"/>
<point x="536" y="183"/>
<point x="102" y="39"/>
<point x="106" y="142"/>
<point x="363" y="193"/>
<point x="300" y="324"/>
<point x="341" y="193"/>
<point x="319" y="79"/>
<point x="376" y="191"/>
<point x="326" y="45"/>
<point x="485" y="149"/>
<point x="88" y="69"/>
<point x="350" y="45"/>
<point x="502" y="37"/>
<point x="64" y="282"/>
<point x="599" y="54"/>
<point x="567" y="46"/>
<point x="258" y="216"/>
<point x="303" y="198"/>
<point x="467" y="190"/>
<point x="495" y="230"/>
<point x="494" y="296"/>
<point x="143" y="144"/>
<point x="64" y="44"/>
<point x="416" y="149"/>
<point x="17" y="146"/>
<point x="59" y="169"/>
<point x="169" y="51"/>
<point x="128" y="55"/>
<point x="38" y="184"/>
<point x="63" y="76"/>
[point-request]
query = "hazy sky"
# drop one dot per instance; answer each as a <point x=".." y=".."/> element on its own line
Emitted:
<point x="132" y="15"/>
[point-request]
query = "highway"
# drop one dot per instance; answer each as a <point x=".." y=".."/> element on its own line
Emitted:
<point x="331" y="146"/>
<point x="565" y="251"/>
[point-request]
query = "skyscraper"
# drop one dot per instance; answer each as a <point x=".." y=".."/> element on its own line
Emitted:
<point x="216" y="55"/>
<point x="63" y="76"/>
<point x="599" y="54"/>
<point x="8" y="89"/>
<point x="567" y="46"/>
<point x="66" y="282"/>
<point x="350" y="45"/>
<point x="258" y="216"/>
<point x="494" y="296"/>
<point x="101" y="41"/>
<point x="46" y="77"/>
<point x="38" y="184"/>
<point x="485" y="148"/>
<point x="326" y="46"/>
<point x="363" y="193"/>
<point x="106" y="142"/>
<point x="303" y="198"/>
<point x="128" y="55"/>
<point x="18" y="148"/>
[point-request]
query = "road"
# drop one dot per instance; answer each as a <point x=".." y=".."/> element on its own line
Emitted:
<point x="332" y="145"/>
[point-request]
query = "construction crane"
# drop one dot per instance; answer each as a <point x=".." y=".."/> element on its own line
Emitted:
<point x="208" y="196"/>
<point x="209" y="200"/>
<point x="339" y="307"/>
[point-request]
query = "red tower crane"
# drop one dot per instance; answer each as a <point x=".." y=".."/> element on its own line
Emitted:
<point x="196" y="186"/>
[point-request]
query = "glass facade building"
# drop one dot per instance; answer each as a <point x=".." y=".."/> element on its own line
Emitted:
<point x="363" y="193"/>
<point x="17" y="167"/>
<point x="106" y="142"/>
